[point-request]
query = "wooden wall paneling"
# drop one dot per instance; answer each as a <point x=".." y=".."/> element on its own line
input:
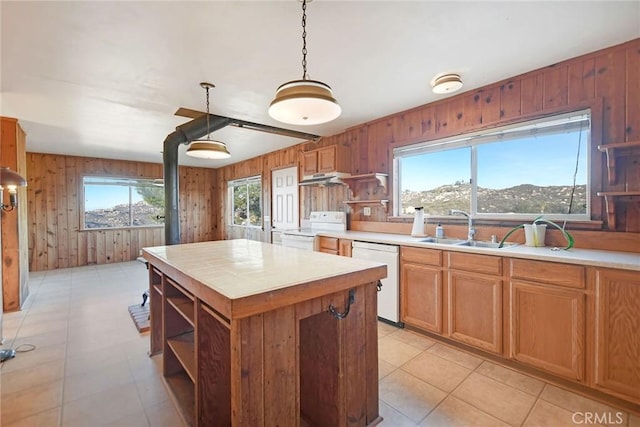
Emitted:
<point x="581" y="81"/>
<point x="409" y="126"/>
<point x="73" y="213"/>
<point x="510" y="100"/>
<point x="472" y="109"/>
<point x="62" y="221"/>
<point x="490" y="101"/>
<point x="632" y="99"/>
<point x="441" y="111"/>
<point x="532" y="93"/>
<point x="52" y="218"/>
<point x="428" y="114"/>
<point x="610" y="85"/>
<point x="455" y="116"/>
<point x="555" y="86"/>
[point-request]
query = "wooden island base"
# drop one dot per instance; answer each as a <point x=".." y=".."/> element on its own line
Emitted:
<point x="290" y="365"/>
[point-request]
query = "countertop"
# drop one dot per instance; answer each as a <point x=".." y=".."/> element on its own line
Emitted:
<point x="592" y="257"/>
<point x="243" y="268"/>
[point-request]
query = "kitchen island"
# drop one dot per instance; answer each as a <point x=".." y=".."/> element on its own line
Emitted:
<point x="253" y="334"/>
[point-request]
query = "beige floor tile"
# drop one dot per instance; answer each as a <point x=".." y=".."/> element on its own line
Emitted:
<point x="96" y="381"/>
<point x="409" y="395"/>
<point x="545" y="414"/>
<point x="164" y="415"/>
<point x="454" y="412"/>
<point x="22" y="379"/>
<point x="34" y="358"/>
<point x="102" y="408"/>
<point x="442" y="373"/>
<point x="454" y="355"/>
<point x="510" y="377"/>
<point x="143" y="366"/>
<point x="31" y="401"/>
<point x="43" y="327"/>
<point x="574" y="402"/>
<point x="497" y="399"/>
<point x="412" y="338"/>
<point x="41" y="340"/>
<point x="82" y="362"/>
<point x="385" y="368"/>
<point x="132" y="420"/>
<point x="48" y="418"/>
<point x="393" y="418"/>
<point x="152" y="391"/>
<point x="385" y="329"/>
<point x="396" y="352"/>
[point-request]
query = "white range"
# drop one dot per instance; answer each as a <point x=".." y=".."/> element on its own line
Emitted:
<point x="319" y="221"/>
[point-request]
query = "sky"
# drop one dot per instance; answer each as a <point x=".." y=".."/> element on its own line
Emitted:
<point x="543" y="161"/>
<point x="107" y="196"/>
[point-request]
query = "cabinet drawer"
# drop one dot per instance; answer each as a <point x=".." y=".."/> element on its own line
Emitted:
<point x="330" y="243"/>
<point x="553" y="273"/>
<point x="421" y="256"/>
<point x="478" y="263"/>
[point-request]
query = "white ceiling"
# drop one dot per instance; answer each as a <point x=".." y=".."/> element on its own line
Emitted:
<point x="103" y="78"/>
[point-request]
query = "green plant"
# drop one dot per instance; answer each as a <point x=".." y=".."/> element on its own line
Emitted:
<point x="540" y="220"/>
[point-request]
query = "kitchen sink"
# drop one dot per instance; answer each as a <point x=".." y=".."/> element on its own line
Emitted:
<point x="442" y="241"/>
<point x="462" y="242"/>
<point x="481" y="244"/>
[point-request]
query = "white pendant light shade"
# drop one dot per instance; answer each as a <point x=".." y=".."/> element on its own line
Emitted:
<point x="447" y="83"/>
<point x="304" y="102"/>
<point x="208" y="149"/>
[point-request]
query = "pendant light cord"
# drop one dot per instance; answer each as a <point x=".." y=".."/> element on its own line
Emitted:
<point x="304" y="40"/>
<point x="208" y="131"/>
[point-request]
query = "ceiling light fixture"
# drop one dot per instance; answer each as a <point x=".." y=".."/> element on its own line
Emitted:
<point x="447" y="83"/>
<point x="304" y="102"/>
<point x="207" y="148"/>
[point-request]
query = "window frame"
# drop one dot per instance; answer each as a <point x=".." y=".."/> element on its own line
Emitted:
<point x="231" y="184"/>
<point x="82" y="198"/>
<point x="488" y="135"/>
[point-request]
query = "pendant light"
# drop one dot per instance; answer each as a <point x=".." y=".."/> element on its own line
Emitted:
<point x="207" y="148"/>
<point x="304" y="102"/>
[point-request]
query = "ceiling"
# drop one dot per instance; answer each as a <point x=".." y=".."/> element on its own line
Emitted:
<point x="104" y="78"/>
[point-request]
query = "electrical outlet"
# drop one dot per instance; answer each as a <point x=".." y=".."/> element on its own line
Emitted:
<point x="366" y="211"/>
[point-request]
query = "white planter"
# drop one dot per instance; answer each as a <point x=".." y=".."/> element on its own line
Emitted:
<point x="534" y="234"/>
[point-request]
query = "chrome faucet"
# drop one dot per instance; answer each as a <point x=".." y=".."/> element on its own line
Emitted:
<point x="472" y="231"/>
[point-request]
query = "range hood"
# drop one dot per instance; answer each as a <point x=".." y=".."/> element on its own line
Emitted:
<point x="323" y="179"/>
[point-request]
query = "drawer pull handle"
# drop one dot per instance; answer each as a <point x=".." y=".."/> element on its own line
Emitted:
<point x="336" y="313"/>
<point x="379" y="286"/>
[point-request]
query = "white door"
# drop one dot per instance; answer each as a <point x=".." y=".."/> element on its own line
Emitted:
<point x="284" y="197"/>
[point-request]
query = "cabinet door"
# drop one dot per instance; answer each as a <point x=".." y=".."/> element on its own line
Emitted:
<point x="548" y="328"/>
<point x="421" y="296"/>
<point x="328" y="245"/>
<point x="327" y="159"/>
<point x="345" y="247"/>
<point x="475" y="310"/>
<point x="310" y="163"/>
<point x="618" y="332"/>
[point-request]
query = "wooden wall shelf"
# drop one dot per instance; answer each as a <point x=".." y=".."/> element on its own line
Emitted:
<point x="610" y="150"/>
<point x="610" y="198"/>
<point x="384" y="203"/>
<point x="380" y="178"/>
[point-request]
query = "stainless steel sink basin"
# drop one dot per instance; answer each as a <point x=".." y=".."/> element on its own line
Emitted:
<point x="442" y="241"/>
<point x="481" y="244"/>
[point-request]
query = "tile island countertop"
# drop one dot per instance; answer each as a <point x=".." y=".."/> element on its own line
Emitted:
<point x="235" y="272"/>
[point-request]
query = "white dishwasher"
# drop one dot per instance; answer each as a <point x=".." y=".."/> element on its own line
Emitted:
<point x="389" y="296"/>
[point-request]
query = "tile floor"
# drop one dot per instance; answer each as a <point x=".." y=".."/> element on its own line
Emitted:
<point x="90" y="368"/>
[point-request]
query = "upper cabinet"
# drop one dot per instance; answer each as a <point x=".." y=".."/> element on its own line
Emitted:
<point x="335" y="158"/>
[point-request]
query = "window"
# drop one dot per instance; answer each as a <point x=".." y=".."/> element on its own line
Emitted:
<point x="519" y="171"/>
<point x="112" y="202"/>
<point x="245" y="199"/>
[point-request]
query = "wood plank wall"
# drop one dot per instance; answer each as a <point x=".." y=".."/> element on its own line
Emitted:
<point x="54" y="211"/>
<point x="605" y="80"/>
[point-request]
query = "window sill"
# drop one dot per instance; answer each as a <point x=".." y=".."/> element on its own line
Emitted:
<point x="499" y="222"/>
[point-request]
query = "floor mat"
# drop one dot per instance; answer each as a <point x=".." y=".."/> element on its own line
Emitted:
<point x="140" y="316"/>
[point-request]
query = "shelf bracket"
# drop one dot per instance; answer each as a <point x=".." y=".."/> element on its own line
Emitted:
<point x="610" y="151"/>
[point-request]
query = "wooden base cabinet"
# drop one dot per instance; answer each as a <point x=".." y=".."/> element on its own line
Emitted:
<point x="421" y="288"/>
<point x="617" y="355"/>
<point x="548" y="328"/>
<point x="474" y="285"/>
<point x="334" y="246"/>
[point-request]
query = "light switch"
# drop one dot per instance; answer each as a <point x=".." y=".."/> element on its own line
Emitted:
<point x="366" y="211"/>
